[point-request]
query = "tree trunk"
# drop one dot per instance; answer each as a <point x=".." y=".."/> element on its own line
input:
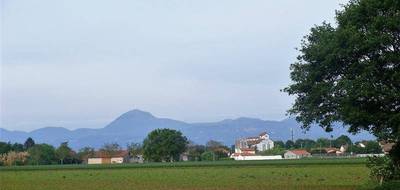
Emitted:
<point x="395" y="155"/>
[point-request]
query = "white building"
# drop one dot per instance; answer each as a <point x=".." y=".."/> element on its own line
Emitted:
<point x="255" y="157"/>
<point x="101" y="157"/>
<point x="245" y="148"/>
<point x="260" y="143"/>
<point x="296" y="154"/>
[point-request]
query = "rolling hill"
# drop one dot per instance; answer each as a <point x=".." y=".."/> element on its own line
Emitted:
<point x="133" y="126"/>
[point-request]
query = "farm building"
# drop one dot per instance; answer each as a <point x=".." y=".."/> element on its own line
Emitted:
<point x="296" y="154"/>
<point x="102" y="157"/>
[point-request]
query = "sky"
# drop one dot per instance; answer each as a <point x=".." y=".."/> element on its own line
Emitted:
<point x="74" y="64"/>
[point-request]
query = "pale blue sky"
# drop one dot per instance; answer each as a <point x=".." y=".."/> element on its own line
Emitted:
<point x="77" y="63"/>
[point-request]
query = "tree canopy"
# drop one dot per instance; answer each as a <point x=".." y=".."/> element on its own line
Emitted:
<point x="164" y="145"/>
<point x="195" y="151"/>
<point x="64" y="153"/>
<point x="42" y="154"/>
<point x="342" y="140"/>
<point x="350" y="72"/>
<point x="110" y="148"/>
<point x="135" y="149"/>
<point x="29" y="143"/>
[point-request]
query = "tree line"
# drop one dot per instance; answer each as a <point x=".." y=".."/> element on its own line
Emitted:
<point x="162" y="145"/>
<point x="320" y="145"/>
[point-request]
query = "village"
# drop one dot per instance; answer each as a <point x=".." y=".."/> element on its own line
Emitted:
<point x="260" y="147"/>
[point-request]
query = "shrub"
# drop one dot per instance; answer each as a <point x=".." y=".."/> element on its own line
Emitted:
<point x="390" y="185"/>
<point x="227" y="158"/>
<point x="14" y="158"/>
<point x="208" y="156"/>
<point x="382" y="169"/>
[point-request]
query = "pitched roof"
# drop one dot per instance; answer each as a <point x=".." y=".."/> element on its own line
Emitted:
<point x="331" y="150"/>
<point x="253" y="142"/>
<point x="250" y="138"/>
<point x="299" y="152"/>
<point x="263" y="133"/>
<point x="387" y="147"/>
<point x="247" y="149"/>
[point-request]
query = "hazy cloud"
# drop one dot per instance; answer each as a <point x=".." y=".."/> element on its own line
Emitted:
<point x="82" y="63"/>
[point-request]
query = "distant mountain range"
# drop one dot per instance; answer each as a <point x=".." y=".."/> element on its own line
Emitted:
<point x="133" y="126"/>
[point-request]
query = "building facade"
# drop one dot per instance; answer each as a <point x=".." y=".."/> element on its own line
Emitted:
<point x="296" y="154"/>
<point x="246" y="148"/>
<point x="250" y="145"/>
<point x="117" y="157"/>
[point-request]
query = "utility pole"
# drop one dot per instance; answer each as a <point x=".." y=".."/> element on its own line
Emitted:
<point x="320" y="149"/>
<point x="291" y="130"/>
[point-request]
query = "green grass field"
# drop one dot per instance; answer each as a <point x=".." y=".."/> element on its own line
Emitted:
<point x="281" y="174"/>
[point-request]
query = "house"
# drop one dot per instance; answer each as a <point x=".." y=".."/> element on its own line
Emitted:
<point x="101" y="157"/>
<point x="246" y="151"/>
<point x="386" y="146"/>
<point x="252" y="144"/>
<point x="331" y="151"/>
<point x="136" y="159"/>
<point x="245" y="148"/>
<point x="296" y="154"/>
<point x="184" y="157"/>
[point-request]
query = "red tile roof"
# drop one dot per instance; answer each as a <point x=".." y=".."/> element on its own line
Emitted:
<point x="331" y="150"/>
<point x="300" y="152"/>
<point x="247" y="149"/>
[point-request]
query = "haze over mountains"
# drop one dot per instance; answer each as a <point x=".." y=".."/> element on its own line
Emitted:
<point x="133" y="126"/>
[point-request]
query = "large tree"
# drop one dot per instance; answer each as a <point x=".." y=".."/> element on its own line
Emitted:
<point x="5" y="147"/>
<point x="289" y="144"/>
<point x="194" y="151"/>
<point x="29" y="143"/>
<point x="64" y="153"/>
<point x="110" y="148"/>
<point x="305" y="143"/>
<point x="164" y="145"/>
<point x="342" y="140"/>
<point x="350" y="72"/>
<point x="279" y="144"/>
<point x="218" y="148"/>
<point x="135" y="149"/>
<point x="85" y="153"/>
<point x="42" y="154"/>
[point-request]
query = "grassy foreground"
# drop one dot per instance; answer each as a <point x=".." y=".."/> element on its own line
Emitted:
<point x="281" y="174"/>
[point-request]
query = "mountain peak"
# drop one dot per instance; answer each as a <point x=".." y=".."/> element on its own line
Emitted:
<point x="137" y="113"/>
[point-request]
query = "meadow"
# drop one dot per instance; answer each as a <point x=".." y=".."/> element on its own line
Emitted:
<point x="331" y="174"/>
